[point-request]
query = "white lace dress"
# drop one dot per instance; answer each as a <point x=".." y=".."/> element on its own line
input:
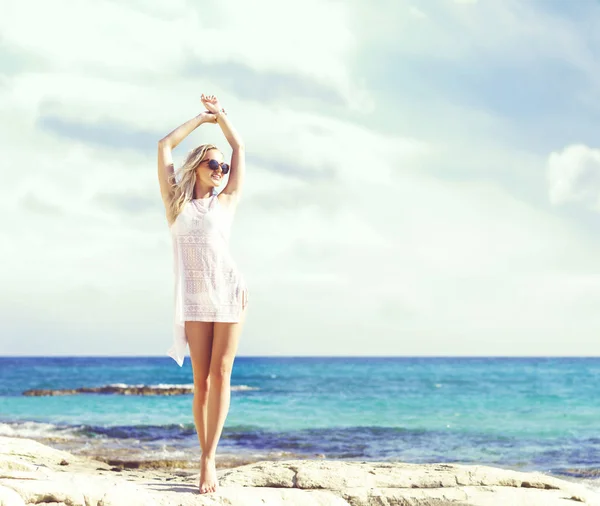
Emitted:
<point x="208" y="284"/>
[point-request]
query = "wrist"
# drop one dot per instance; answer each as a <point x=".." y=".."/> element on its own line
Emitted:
<point x="220" y="113"/>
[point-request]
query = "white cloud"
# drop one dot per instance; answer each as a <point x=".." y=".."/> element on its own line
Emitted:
<point x="115" y="39"/>
<point x="311" y="38"/>
<point x="507" y="33"/>
<point x="416" y="12"/>
<point x="574" y="176"/>
<point x="378" y="247"/>
<point x="100" y="36"/>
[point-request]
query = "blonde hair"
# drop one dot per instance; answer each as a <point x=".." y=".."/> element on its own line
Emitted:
<point x="183" y="191"/>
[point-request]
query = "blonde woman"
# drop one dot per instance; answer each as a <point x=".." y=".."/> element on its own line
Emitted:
<point x="210" y="292"/>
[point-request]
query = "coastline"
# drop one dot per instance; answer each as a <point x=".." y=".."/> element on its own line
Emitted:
<point x="33" y="473"/>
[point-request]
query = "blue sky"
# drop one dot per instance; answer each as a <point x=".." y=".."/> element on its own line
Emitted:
<point x="423" y="176"/>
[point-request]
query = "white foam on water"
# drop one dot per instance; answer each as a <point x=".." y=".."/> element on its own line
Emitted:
<point x="157" y="387"/>
<point x="243" y="387"/>
<point x="36" y="430"/>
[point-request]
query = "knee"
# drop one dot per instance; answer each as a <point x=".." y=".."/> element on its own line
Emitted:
<point x="220" y="373"/>
<point x="201" y="388"/>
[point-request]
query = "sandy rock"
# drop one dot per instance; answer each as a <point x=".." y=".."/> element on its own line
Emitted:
<point x="13" y="464"/>
<point x="32" y="473"/>
<point x="366" y="483"/>
<point x="80" y="490"/>
<point x="8" y="497"/>
<point x="44" y="491"/>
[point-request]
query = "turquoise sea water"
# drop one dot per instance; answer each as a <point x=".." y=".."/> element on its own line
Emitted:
<point x="521" y="413"/>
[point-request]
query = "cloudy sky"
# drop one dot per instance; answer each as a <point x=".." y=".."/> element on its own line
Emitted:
<point x="423" y="176"/>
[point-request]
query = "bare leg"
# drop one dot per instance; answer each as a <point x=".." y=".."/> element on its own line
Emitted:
<point x="225" y="344"/>
<point x="200" y="339"/>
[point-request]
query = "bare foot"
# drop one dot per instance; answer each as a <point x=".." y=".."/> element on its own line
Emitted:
<point x="208" y="475"/>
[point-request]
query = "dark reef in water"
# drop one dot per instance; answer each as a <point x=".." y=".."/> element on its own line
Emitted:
<point x="113" y="389"/>
<point x="126" y="390"/>
<point x="593" y="472"/>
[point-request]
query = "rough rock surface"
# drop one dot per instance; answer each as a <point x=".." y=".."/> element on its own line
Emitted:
<point x="32" y="473"/>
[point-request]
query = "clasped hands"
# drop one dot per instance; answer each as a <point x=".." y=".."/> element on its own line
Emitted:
<point x="213" y="107"/>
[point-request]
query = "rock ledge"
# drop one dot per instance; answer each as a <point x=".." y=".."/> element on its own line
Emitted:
<point x="32" y="473"/>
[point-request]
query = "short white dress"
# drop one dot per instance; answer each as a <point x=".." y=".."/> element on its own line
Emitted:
<point x="208" y="285"/>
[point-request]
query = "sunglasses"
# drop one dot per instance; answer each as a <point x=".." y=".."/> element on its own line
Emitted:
<point x="214" y="165"/>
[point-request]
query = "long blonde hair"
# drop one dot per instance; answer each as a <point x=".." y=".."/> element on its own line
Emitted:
<point x="183" y="191"/>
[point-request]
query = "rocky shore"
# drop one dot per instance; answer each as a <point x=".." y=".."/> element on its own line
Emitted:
<point x="33" y="473"/>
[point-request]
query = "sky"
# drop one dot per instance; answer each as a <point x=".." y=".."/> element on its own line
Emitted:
<point x="423" y="176"/>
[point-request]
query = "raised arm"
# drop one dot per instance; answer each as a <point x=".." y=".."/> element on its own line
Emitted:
<point x="165" y="157"/>
<point x="238" y="157"/>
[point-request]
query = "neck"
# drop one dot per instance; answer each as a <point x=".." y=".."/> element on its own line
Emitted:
<point x="202" y="191"/>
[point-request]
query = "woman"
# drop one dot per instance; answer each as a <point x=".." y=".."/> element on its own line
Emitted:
<point x="210" y="293"/>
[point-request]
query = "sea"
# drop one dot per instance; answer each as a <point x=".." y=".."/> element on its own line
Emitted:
<point x="527" y="414"/>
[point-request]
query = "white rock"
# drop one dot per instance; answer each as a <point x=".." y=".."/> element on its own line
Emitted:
<point x="8" y="497"/>
<point x="31" y="473"/>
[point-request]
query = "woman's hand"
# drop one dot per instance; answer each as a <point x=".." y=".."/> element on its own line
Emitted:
<point x="211" y="103"/>
<point x="214" y="107"/>
<point x="208" y="117"/>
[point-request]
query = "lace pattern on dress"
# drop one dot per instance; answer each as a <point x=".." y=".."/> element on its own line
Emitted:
<point x="208" y="284"/>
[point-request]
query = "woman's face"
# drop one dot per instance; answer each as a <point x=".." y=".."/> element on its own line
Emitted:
<point x="208" y="176"/>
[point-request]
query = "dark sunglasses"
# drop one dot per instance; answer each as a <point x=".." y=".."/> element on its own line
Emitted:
<point x="214" y="165"/>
